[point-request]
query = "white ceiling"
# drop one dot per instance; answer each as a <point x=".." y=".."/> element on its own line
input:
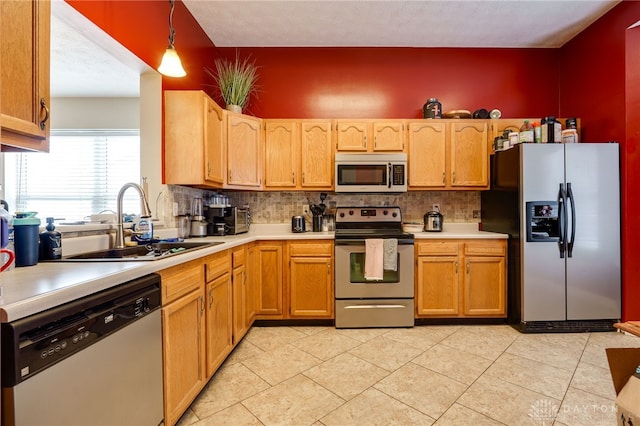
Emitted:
<point x="395" y="23"/>
<point x="87" y="62"/>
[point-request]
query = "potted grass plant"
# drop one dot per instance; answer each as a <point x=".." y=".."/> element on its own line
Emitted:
<point x="236" y="80"/>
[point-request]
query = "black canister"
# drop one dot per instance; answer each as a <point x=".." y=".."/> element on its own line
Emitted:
<point x="317" y="223"/>
<point x="50" y="242"/>
<point x="26" y="229"/>
<point x="432" y="109"/>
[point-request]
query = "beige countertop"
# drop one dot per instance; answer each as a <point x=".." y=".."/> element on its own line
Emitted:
<point x="32" y="289"/>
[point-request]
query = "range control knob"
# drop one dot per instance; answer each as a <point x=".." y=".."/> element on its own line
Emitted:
<point x="341" y="214"/>
<point x="350" y="212"/>
<point x="394" y="214"/>
<point x="385" y="212"/>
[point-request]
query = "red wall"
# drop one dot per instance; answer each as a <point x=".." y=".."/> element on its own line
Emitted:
<point x="600" y="82"/>
<point x="396" y="82"/>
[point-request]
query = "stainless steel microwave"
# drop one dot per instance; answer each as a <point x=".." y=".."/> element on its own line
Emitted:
<point x="375" y="172"/>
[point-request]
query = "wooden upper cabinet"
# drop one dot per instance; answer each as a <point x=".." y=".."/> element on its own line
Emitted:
<point x="244" y="151"/>
<point x="388" y="135"/>
<point x="352" y="135"/>
<point x="24" y="70"/>
<point x="194" y="145"/>
<point x="370" y="135"/>
<point x="316" y="154"/>
<point x="298" y="154"/>
<point x="282" y="153"/>
<point x="469" y="154"/>
<point x="427" y="154"/>
<point x="214" y="143"/>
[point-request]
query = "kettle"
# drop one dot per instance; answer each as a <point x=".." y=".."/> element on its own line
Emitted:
<point x="298" y="224"/>
<point x="433" y="221"/>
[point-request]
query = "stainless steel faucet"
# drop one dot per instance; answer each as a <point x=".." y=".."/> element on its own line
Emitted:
<point x="144" y="208"/>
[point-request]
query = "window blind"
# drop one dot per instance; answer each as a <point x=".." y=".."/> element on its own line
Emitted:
<point x="81" y="174"/>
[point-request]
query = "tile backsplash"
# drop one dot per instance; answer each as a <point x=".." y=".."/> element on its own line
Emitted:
<point x="278" y="207"/>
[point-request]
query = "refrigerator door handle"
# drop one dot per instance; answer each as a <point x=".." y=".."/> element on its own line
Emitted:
<point x="562" y="218"/>
<point x="573" y="220"/>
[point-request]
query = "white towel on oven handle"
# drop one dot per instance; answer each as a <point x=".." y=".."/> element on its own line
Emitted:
<point x="373" y="259"/>
<point x="390" y="257"/>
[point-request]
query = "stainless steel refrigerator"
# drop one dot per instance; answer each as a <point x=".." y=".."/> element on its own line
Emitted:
<point x="560" y="205"/>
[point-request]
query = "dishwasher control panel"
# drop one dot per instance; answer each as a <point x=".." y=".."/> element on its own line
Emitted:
<point x="32" y="344"/>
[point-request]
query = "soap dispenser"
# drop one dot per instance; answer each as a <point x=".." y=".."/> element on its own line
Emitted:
<point x="50" y="242"/>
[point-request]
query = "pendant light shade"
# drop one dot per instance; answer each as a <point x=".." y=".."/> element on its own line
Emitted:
<point x="171" y="65"/>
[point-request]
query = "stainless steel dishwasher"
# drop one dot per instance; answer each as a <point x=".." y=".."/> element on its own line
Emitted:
<point x="93" y="361"/>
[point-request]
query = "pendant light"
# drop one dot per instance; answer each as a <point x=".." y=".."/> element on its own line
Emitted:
<point x="171" y="65"/>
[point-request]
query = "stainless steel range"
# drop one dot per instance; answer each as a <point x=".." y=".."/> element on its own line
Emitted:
<point x="373" y="268"/>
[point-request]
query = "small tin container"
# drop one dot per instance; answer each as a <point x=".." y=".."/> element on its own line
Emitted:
<point x="432" y="109"/>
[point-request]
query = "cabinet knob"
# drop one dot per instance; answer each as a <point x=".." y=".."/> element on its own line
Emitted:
<point x="456" y="267"/>
<point x="443" y="178"/>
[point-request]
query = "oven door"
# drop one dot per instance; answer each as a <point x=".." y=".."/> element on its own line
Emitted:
<point x="349" y="274"/>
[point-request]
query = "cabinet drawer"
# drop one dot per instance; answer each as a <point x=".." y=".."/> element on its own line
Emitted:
<point x="216" y="265"/>
<point x="238" y="257"/>
<point x="485" y="248"/>
<point x="311" y="249"/>
<point x="437" y="248"/>
<point x="181" y="279"/>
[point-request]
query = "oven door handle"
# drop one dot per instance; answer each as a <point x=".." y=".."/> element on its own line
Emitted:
<point x="389" y="177"/>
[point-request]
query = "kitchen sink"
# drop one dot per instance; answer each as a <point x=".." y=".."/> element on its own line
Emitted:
<point x="139" y="253"/>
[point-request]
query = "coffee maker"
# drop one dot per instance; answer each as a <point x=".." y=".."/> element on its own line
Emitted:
<point x="216" y="224"/>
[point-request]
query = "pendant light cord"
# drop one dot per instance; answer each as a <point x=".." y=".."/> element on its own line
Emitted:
<point x="171" y="31"/>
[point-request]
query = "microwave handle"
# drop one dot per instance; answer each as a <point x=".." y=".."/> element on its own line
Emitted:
<point x="389" y="176"/>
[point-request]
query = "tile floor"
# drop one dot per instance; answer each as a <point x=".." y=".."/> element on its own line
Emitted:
<point x="442" y="375"/>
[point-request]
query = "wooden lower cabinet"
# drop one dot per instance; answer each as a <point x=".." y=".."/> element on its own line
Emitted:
<point x="219" y="301"/>
<point x="268" y="278"/>
<point x="461" y="278"/>
<point x="485" y="288"/>
<point x="183" y="329"/>
<point x="243" y="295"/>
<point x="310" y="279"/>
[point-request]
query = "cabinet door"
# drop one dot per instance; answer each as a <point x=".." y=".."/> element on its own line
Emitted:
<point x="427" y="154"/>
<point x="437" y="286"/>
<point x="184" y="144"/>
<point x="311" y="287"/>
<point x="219" y="322"/>
<point x="243" y="151"/>
<point x="484" y="286"/>
<point x="183" y="353"/>
<point x="282" y="152"/>
<point x="268" y="280"/>
<point x="239" y="282"/>
<point x="317" y="155"/>
<point x="388" y="136"/>
<point x="469" y="154"/>
<point x="352" y="135"/>
<point x="214" y="146"/>
<point x="24" y="55"/>
<point x="250" y="287"/>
